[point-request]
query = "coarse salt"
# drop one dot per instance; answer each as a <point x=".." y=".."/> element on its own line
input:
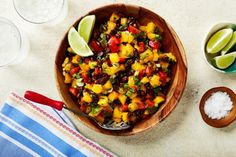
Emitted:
<point x="218" y="105"/>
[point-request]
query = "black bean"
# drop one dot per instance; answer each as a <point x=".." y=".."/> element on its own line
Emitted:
<point x="124" y="79"/>
<point x="95" y="98"/>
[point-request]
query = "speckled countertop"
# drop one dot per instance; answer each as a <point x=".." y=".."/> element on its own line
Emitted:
<point x="183" y="133"/>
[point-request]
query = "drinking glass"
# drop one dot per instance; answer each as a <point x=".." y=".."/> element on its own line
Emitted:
<point x="41" y="11"/>
<point x="14" y="44"/>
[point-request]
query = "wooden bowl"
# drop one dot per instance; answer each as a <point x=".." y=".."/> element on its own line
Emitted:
<point x="171" y="43"/>
<point x="223" y="121"/>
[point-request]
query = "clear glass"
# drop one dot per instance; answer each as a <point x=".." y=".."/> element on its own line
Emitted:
<point x="13" y="47"/>
<point x="41" y="11"/>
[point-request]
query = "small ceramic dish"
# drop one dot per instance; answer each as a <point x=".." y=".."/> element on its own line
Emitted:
<point x="208" y="58"/>
<point x="218" y="123"/>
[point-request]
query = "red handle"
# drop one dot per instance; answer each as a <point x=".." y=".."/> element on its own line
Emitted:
<point x="38" y="98"/>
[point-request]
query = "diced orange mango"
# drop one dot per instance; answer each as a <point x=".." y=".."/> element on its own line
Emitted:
<point x="117" y="114"/>
<point x="144" y="80"/>
<point x="114" y="17"/>
<point x="68" y="78"/>
<point x="113" y="96"/>
<point x="158" y="100"/>
<point x="114" y="57"/>
<point x="97" y="88"/>
<point x="107" y="85"/>
<point x="87" y="98"/>
<point x="125" y="117"/>
<point x="122" y="99"/>
<point x="150" y="27"/>
<point x="103" y="101"/>
<point x="155" y="81"/>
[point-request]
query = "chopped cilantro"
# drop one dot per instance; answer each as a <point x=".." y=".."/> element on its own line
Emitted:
<point x="126" y="85"/>
<point x="128" y="93"/>
<point x="95" y="110"/>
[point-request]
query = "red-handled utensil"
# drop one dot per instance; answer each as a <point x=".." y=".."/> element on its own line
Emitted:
<point x="59" y="105"/>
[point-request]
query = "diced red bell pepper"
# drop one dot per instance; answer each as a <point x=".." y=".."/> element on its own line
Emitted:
<point x="149" y="103"/>
<point x="154" y="44"/>
<point x="95" y="45"/>
<point x="141" y="47"/>
<point x="113" y="44"/>
<point x="141" y="106"/>
<point x="141" y="74"/>
<point x="73" y="91"/>
<point x="124" y="107"/>
<point x="97" y="71"/>
<point x="74" y="70"/>
<point x="148" y="96"/>
<point x="83" y="108"/>
<point x="133" y="30"/>
<point x="149" y="71"/>
<point x="122" y="60"/>
<point x="85" y="77"/>
<point x="163" y="76"/>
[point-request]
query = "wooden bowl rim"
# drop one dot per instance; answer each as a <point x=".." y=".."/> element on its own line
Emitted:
<point x="182" y="54"/>
<point x="223" y="122"/>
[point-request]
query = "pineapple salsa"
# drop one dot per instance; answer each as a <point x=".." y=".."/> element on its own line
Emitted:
<point x="127" y="77"/>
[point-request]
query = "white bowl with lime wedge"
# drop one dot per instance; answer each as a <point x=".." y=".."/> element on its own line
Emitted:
<point x="220" y="47"/>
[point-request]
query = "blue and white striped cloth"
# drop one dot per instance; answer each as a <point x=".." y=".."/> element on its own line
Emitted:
<point x="29" y="130"/>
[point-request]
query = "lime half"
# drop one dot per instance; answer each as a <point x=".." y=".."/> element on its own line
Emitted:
<point x="231" y="43"/>
<point x="77" y="43"/>
<point x="85" y="27"/>
<point x="219" y="40"/>
<point x="223" y="62"/>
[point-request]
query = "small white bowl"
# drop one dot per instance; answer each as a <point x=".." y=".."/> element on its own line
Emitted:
<point x="211" y="31"/>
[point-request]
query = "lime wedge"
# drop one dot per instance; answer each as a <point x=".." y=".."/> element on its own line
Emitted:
<point x="223" y="62"/>
<point x="85" y="27"/>
<point x="230" y="44"/>
<point x="219" y="40"/>
<point x="77" y="43"/>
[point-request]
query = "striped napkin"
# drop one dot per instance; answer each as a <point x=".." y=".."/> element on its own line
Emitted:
<point x="27" y="129"/>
